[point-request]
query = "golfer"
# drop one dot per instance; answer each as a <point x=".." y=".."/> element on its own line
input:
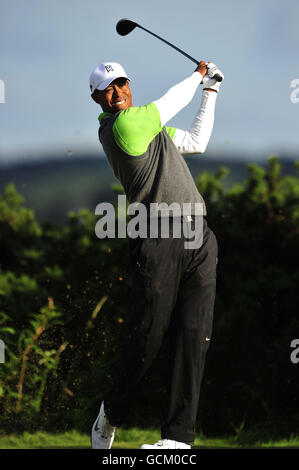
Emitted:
<point x="173" y="288"/>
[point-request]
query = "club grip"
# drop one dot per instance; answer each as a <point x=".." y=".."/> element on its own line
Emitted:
<point x="218" y="77"/>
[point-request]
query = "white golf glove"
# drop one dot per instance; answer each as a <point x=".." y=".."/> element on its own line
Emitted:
<point x="208" y="81"/>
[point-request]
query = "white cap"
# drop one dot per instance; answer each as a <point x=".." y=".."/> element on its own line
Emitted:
<point x="104" y="74"/>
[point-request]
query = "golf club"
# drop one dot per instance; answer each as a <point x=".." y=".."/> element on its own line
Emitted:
<point x="125" y="26"/>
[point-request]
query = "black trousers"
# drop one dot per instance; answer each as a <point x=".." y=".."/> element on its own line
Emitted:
<point x="170" y="284"/>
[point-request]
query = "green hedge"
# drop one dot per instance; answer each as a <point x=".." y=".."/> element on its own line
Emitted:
<point x="65" y="303"/>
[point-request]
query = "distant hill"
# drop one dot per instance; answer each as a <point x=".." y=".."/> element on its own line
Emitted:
<point x="54" y="187"/>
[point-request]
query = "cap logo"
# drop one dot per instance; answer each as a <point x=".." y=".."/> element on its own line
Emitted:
<point x="109" y="68"/>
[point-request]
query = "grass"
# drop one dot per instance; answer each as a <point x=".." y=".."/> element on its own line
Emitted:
<point x="129" y="439"/>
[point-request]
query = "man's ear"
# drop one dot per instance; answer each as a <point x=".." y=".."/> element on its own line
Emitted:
<point x="95" y="97"/>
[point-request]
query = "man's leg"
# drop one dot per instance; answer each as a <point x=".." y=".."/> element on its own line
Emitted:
<point x="156" y="267"/>
<point x="192" y="334"/>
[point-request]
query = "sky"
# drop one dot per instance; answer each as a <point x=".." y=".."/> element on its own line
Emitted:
<point x="49" y="48"/>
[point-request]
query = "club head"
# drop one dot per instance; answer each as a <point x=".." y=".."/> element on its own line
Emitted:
<point x="125" y="26"/>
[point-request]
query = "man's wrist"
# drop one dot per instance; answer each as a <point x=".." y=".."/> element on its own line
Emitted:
<point x="198" y="75"/>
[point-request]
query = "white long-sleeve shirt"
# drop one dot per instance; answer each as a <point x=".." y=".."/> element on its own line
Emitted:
<point x="196" y="138"/>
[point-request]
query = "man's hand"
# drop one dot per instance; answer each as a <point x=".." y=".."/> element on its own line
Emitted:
<point x="210" y="83"/>
<point x="202" y="68"/>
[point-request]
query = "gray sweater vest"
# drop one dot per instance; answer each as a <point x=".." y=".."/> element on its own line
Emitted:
<point x="160" y="175"/>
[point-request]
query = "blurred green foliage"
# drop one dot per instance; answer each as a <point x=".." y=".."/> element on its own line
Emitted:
<point x="65" y="302"/>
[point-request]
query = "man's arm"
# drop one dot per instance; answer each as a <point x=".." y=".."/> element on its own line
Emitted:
<point x="178" y="97"/>
<point x="196" y="139"/>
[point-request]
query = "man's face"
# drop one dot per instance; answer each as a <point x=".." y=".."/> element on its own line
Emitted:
<point x="116" y="97"/>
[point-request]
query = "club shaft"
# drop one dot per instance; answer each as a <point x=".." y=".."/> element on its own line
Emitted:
<point x="217" y="77"/>
<point x="171" y="45"/>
